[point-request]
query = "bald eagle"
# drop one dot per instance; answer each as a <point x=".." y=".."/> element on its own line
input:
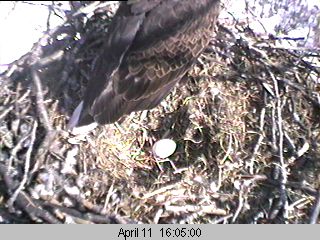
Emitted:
<point x="149" y="47"/>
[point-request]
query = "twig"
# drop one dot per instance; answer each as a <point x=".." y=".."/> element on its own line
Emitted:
<point x="239" y="208"/>
<point x="222" y="219"/>
<point x="42" y="150"/>
<point x="195" y="208"/>
<point x="229" y="150"/>
<point x="80" y="217"/>
<point x="258" y="144"/>
<point x="24" y="202"/>
<point x="26" y="166"/>
<point x="40" y="101"/>
<point x="283" y="179"/>
<point x="14" y="152"/>
<point x="275" y="208"/>
<point x="316" y="210"/>
<point x="300" y="49"/>
<point x="57" y="55"/>
<point x="159" y="191"/>
<point x="109" y="194"/>
<point x="5" y="112"/>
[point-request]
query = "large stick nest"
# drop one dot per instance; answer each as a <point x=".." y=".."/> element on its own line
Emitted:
<point x="246" y="124"/>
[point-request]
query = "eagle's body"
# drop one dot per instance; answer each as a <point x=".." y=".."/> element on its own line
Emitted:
<point x="150" y="45"/>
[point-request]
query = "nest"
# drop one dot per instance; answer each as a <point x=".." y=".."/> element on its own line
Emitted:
<point x="246" y="124"/>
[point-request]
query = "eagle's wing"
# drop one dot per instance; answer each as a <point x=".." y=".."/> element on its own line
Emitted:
<point x="150" y="46"/>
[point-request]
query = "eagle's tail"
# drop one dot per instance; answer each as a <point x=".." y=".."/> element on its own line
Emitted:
<point x="81" y="126"/>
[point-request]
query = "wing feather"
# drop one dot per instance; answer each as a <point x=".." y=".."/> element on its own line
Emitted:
<point x="150" y="47"/>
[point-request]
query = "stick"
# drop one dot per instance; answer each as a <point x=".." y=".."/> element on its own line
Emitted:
<point x="26" y="166"/>
<point x="316" y="210"/>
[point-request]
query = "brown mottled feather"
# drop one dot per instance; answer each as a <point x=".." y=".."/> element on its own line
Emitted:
<point x="150" y="47"/>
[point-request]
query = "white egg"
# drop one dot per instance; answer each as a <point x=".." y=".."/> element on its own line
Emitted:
<point x="164" y="148"/>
